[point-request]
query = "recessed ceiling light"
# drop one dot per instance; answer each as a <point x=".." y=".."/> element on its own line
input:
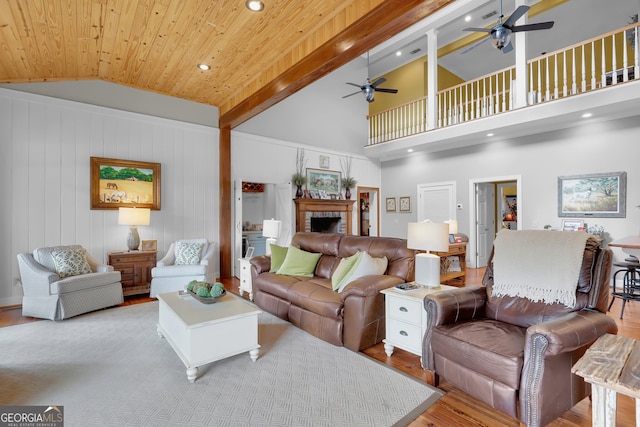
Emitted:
<point x="254" y="5"/>
<point x="489" y="134"/>
<point x="410" y="150"/>
<point x="204" y="67"/>
<point x="467" y="18"/>
<point x="398" y="53"/>
<point x="586" y="115"/>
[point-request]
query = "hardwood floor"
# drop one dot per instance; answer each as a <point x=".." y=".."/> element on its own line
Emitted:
<point x="456" y="408"/>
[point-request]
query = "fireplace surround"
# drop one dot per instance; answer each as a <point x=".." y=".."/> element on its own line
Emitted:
<point x="324" y="211"/>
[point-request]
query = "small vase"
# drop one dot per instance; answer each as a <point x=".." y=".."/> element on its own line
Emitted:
<point x="299" y="192"/>
<point x="347" y="193"/>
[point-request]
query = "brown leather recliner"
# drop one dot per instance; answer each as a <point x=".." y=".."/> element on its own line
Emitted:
<point x="514" y="354"/>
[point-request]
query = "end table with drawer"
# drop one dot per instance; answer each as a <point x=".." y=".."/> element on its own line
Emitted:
<point x="406" y="318"/>
<point x="135" y="268"/>
<point x="245" y="277"/>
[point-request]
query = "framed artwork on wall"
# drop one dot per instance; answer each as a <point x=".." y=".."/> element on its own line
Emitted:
<point x="124" y="183"/>
<point x="598" y="195"/>
<point x="391" y="204"/>
<point x="405" y="203"/>
<point x="322" y="179"/>
<point x="324" y="162"/>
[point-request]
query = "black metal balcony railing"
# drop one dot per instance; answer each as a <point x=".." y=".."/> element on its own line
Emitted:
<point x="594" y="64"/>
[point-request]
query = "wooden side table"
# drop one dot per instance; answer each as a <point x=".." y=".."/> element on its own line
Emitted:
<point x="611" y="365"/>
<point x="456" y="278"/>
<point x="135" y="268"/>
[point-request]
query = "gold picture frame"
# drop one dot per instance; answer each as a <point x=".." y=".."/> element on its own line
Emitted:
<point x="149" y="245"/>
<point x="124" y="183"/>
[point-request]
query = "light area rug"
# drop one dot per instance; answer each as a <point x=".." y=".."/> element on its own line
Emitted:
<point x="110" y="368"/>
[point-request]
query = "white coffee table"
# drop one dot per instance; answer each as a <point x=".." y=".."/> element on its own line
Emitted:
<point x="203" y="333"/>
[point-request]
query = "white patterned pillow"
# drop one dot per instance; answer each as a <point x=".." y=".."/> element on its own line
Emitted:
<point x="71" y="262"/>
<point x="188" y="253"/>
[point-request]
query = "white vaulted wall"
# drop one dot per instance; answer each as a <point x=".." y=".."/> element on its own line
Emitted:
<point x="45" y="147"/>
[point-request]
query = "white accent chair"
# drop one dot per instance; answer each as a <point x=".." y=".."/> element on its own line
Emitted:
<point x="48" y="296"/>
<point x="166" y="276"/>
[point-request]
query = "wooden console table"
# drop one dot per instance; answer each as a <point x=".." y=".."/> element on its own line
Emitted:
<point x="455" y="278"/>
<point x="135" y="268"/>
<point x="611" y="365"/>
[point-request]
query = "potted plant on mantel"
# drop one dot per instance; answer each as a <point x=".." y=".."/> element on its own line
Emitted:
<point x="299" y="178"/>
<point x="348" y="182"/>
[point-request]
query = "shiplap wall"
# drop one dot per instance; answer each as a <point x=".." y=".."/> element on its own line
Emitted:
<point x="45" y="146"/>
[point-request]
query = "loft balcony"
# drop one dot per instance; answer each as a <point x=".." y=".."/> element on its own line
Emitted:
<point x="600" y="76"/>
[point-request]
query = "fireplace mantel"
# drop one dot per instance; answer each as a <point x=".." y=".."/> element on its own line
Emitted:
<point x="312" y="206"/>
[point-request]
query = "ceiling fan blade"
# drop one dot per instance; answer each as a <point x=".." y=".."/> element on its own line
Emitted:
<point x="385" y="90"/>
<point x="508" y="48"/>
<point x="351" y="94"/>
<point x="353" y="84"/>
<point x="479" y="30"/>
<point x="532" y="27"/>
<point x="473" y="46"/>
<point x="517" y="14"/>
<point x="378" y="82"/>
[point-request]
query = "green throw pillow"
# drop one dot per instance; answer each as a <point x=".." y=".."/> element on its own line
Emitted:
<point x="278" y="254"/>
<point x="346" y="264"/>
<point x="299" y="263"/>
<point x="71" y="263"/>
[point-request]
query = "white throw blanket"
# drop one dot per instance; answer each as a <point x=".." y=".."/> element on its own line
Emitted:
<point x="538" y="265"/>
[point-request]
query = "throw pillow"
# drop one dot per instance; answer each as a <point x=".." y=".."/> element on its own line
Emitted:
<point x="346" y="264"/>
<point x="278" y="254"/>
<point x="365" y="266"/>
<point x="299" y="263"/>
<point x="188" y="253"/>
<point x="71" y="262"/>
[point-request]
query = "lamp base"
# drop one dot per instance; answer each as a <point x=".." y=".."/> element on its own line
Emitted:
<point x="428" y="270"/>
<point x="133" y="239"/>
<point x="270" y="241"/>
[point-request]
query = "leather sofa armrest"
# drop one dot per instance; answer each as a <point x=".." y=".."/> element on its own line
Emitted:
<point x="260" y="264"/>
<point x="570" y="332"/>
<point x="370" y="286"/>
<point x="455" y="305"/>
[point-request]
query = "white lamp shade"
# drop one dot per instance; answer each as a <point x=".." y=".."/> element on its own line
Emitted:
<point x="453" y="226"/>
<point x="134" y="216"/>
<point x="271" y="228"/>
<point x="428" y="236"/>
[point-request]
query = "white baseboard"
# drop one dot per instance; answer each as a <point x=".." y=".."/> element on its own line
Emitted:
<point x="5" y="302"/>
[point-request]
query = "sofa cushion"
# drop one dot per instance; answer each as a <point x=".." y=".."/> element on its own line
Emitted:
<point x="316" y="295"/>
<point x="366" y="265"/>
<point x="188" y="253"/>
<point x="84" y="281"/>
<point x="278" y="254"/>
<point x="344" y="267"/>
<point x="71" y="262"/>
<point x="299" y="263"/>
<point x="496" y="348"/>
<point x="275" y="284"/>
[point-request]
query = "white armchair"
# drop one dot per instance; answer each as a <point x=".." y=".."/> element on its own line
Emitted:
<point x="50" y="292"/>
<point x="186" y="260"/>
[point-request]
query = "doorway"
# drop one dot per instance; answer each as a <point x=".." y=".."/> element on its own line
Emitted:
<point x="495" y="203"/>
<point x="368" y="211"/>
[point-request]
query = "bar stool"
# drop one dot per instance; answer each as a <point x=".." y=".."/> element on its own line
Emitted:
<point x="630" y="283"/>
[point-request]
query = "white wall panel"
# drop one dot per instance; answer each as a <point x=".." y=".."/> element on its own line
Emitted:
<point x="45" y="146"/>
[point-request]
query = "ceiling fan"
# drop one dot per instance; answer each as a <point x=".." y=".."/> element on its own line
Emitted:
<point x="500" y="35"/>
<point x="368" y="89"/>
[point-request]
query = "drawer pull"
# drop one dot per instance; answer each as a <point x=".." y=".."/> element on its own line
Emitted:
<point x="404" y="334"/>
<point x="403" y="309"/>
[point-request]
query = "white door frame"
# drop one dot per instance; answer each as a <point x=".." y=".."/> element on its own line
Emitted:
<point x="473" y="232"/>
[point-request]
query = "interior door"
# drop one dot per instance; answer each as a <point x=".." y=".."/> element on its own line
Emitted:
<point x="485" y="222"/>
<point x="436" y="202"/>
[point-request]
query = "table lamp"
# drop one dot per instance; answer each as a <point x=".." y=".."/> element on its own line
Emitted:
<point x="134" y="217"/>
<point x="453" y="230"/>
<point x="271" y="230"/>
<point x="428" y="236"/>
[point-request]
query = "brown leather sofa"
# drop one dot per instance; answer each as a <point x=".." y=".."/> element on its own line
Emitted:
<point x="514" y="354"/>
<point x="354" y="318"/>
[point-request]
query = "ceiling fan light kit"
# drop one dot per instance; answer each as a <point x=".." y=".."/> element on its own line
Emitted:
<point x="369" y="89"/>
<point x="500" y="35"/>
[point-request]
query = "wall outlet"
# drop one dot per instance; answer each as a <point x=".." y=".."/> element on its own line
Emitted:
<point x="16" y="282"/>
<point x="534" y="224"/>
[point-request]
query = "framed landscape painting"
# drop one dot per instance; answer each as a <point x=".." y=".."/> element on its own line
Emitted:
<point x="322" y="179"/>
<point x="600" y="195"/>
<point x="124" y="183"/>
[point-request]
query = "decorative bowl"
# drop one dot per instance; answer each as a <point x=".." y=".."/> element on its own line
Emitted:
<point x="209" y="300"/>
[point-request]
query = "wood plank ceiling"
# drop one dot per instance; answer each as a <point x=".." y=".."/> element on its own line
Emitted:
<point x="156" y="45"/>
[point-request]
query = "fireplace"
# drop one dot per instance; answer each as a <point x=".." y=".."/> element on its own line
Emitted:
<point x="326" y="216"/>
